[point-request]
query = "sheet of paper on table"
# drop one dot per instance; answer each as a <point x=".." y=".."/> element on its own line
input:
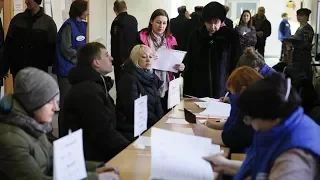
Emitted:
<point x="216" y="110"/>
<point x="181" y="121"/>
<point x="168" y="156"/>
<point x="144" y="140"/>
<point x="168" y="59"/>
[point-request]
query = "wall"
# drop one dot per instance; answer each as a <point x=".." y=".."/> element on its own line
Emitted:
<point x="98" y="20"/>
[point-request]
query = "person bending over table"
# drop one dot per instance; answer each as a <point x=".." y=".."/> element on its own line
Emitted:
<point x="286" y="142"/>
<point x="235" y="134"/>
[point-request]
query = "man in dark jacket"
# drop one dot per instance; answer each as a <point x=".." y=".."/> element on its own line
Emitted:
<point x="178" y="28"/>
<point x="263" y="28"/>
<point x="228" y="22"/>
<point x="30" y="40"/>
<point x="124" y="30"/>
<point x="194" y="23"/>
<point x="89" y="106"/>
<point x="284" y="32"/>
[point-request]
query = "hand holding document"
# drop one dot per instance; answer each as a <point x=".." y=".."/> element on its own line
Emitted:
<point x="168" y="59"/>
<point x="68" y="158"/>
<point x="179" y="156"/>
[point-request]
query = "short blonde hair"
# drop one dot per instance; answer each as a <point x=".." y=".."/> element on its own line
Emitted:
<point x="137" y="51"/>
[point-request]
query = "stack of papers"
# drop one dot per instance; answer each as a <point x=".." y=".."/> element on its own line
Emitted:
<point x="179" y="156"/>
<point x="216" y="109"/>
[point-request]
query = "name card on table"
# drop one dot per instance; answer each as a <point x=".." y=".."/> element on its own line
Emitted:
<point x="179" y="156"/>
<point x="68" y="158"/>
<point x="174" y="93"/>
<point x="140" y="115"/>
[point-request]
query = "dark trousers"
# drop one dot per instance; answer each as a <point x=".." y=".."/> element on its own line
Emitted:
<point x="117" y="74"/>
<point x="64" y="87"/>
<point x="283" y="51"/>
<point x="260" y="48"/>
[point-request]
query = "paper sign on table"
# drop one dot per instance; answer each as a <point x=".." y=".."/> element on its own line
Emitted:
<point x="168" y="59"/>
<point x="140" y="115"/>
<point x="68" y="158"/>
<point x="174" y="93"/>
<point x="179" y="156"/>
<point x="216" y="110"/>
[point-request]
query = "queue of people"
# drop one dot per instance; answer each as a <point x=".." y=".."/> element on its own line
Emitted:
<point x="266" y="121"/>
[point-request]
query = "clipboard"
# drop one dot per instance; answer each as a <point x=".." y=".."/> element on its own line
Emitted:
<point x="190" y="117"/>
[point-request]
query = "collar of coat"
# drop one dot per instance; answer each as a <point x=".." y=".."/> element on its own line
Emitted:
<point x="12" y="113"/>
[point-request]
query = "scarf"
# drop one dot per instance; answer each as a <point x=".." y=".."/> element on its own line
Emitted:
<point x="156" y="42"/>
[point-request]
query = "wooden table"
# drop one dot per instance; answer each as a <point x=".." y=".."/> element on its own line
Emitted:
<point x="135" y="164"/>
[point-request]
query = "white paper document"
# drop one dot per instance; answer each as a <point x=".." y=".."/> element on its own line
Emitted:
<point x="68" y="158"/>
<point x="179" y="156"/>
<point x="202" y="105"/>
<point x="168" y="59"/>
<point x="140" y="115"/>
<point x="143" y="140"/>
<point x="176" y="121"/>
<point x="207" y="99"/>
<point x="216" y="110"/>
<point x="174" y="93"/>
<point x="183" y="130"/>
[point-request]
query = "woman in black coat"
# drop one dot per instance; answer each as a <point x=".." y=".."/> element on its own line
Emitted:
<point x="138" y="80"/>
<point x="213" y="52"/>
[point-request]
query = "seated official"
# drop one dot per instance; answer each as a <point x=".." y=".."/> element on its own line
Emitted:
<point x="25" y="117"/>
<point x="255" y="60"/>
<point x="286" y="142"/>
<point x="138" y="80"/>
<point x="88" y="104"/>
<point x="235" y="134"/>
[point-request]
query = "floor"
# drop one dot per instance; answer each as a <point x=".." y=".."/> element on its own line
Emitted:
<point x="270" y="61"/>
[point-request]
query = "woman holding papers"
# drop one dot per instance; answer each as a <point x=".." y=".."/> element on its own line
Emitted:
<point x="255" y="60"/>
<point x="25" y="117"/>
<point x="138" y="80"/>
<point x="213" y="53"/>
<point x="157" y="36"/>
<point x="235" y="133"/>
<point x="286" y="142"/>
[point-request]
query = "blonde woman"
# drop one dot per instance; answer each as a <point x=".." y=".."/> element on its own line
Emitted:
<point x="138" y="80"/>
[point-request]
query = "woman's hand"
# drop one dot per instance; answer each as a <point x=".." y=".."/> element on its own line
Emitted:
<point x="224" y="100"/>
<point x="108" y="176"/>
<point x="106" y="168"/>
<point x="218" y="162"/>
<point x="180" y="67"/>
<point x="201" y="130"/>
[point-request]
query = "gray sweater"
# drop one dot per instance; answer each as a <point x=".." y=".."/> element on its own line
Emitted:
<point x="66" y="49"/>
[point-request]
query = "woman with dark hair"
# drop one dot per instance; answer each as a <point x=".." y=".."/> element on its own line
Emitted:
<point x="71" y="37"/>
<point x="247" y="33"/>
<point x="256" y="61"/>
<point x="213" y="53"/>
<point x="286" y="142"/>
<point x="157" y="36"/>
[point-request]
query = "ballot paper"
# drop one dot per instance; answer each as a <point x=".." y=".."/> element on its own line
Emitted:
<point x="168" y="59"/>
<point x="179" y="156"/>
<point x="143" y="140"/>
<point x="216" y="110"/>
<point x="68" y="158"/>
<point x="140" y="115"/>
<point x="174" y="93"/>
